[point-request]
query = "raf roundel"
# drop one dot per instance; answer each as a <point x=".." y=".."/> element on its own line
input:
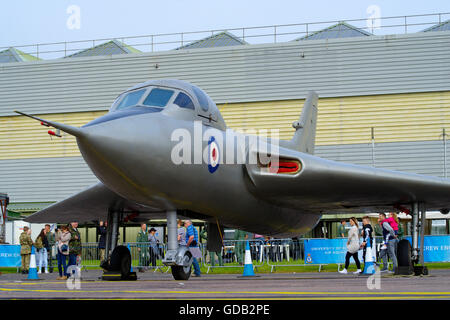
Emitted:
<point x="213" y="155"/>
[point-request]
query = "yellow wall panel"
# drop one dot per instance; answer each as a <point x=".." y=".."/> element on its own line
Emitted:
<point x="22" y="137"/>
<point x="346" y="120"/>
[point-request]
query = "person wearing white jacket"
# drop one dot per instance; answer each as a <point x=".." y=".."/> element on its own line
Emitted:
<point x="353" y="247"/>
<point x="62" y="239"/>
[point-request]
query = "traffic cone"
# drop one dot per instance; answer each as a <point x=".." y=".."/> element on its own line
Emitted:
<point x="248" y="267"/>
<point x="131" y="264"/>
<point x="369" y="267"/>
<point x="32" y="270"/>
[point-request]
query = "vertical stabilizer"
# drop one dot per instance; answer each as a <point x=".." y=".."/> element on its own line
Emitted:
<point x="305" y="128"/>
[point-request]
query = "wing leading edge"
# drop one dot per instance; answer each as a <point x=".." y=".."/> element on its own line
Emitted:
<point x="89" y="205"/>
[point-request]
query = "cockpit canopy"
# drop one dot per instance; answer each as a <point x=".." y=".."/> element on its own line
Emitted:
<point x="158" y="94"/>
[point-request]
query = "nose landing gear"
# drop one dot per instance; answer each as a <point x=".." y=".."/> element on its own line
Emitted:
<point x="179" y="258"/>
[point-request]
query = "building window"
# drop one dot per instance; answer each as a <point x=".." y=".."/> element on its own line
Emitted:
<point x="438" y="227"/>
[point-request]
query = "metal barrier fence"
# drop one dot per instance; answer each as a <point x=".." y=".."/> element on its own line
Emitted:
<point x="272" y="253"/>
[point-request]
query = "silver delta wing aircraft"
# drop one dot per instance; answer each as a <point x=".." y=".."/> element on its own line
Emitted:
<point x="135" y="151"/>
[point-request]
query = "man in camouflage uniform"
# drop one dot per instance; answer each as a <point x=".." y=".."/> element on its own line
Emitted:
<point x="142" y="246"/>
<point x="74" y="244"/>
<point x="25" y="249"/>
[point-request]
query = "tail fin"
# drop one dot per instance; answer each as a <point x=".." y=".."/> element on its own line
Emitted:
<point x="305" y="129"/>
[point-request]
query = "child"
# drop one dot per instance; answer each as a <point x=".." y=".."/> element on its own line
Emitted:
<point x="393" y="222"/>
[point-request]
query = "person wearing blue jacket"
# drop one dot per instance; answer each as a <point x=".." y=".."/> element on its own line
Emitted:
<point x="192" y="244"/>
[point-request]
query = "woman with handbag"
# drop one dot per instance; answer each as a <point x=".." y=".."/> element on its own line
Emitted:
<point x="62" y="239"/>
<point x="353" y="247"/>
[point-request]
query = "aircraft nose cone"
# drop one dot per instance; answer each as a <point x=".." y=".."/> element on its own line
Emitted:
<point x="119" y="151"/>
<point x="104" y="147"/>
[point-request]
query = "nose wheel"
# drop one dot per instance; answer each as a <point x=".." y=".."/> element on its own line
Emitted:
<point x="179" y="258"/>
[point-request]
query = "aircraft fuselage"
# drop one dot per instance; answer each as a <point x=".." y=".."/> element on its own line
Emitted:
<point x="133" y="157"/>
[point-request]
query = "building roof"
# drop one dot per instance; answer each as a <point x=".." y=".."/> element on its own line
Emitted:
<point x="14" y="55"/>
<point x="107" y="48"/>
<point x="339" y="30"/>
<point x="443" y="26"/>
<point x="221" y="39"/>
<point x="28" y="207"/>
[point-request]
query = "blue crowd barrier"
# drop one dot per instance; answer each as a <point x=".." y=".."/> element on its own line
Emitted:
<point x="10" y="256"/>
<point x="435" y="248"/>
<point x="326" y="251"/>
<point x="332" y="251"/>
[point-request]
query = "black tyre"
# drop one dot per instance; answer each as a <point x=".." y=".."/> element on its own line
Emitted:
<point x="180" y="272"/>
<point x="121" y="261"/>
<point x="404" y="253"/>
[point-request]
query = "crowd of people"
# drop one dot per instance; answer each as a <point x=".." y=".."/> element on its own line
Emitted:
<point x="65" y="239"/>
<point x="389" y="227"/>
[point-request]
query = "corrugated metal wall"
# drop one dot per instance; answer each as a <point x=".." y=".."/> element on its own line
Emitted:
<point x="45" y="179"/>
<point x="422" y="157"/>
<point x="344" y="120"/>
<point x="334" y="68"/>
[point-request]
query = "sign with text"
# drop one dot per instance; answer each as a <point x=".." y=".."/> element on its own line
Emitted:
<point x="436" y="248"/>
<point x="327" y="251"/>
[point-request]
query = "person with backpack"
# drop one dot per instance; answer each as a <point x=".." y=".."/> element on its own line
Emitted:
<point x="62" y="241"/>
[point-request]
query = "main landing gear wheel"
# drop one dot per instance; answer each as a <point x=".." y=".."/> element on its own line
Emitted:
<point x="183" y="272"/>
<point x="121" y="261"/>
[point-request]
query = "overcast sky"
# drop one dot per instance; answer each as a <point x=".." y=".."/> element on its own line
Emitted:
<point x="45" y="21"/>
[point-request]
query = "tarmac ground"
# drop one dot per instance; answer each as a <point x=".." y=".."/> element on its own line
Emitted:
<point x="286" y="286"/>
